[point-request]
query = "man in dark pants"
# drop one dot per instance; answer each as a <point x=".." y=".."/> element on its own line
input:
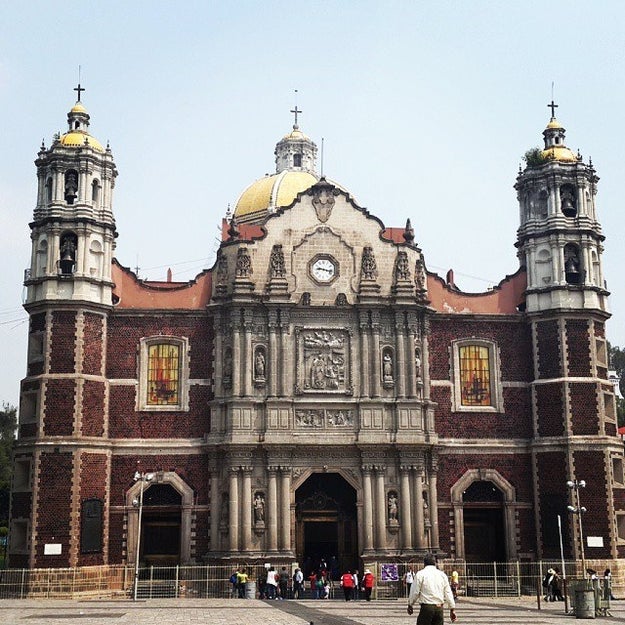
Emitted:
<point x="431" y="590"/>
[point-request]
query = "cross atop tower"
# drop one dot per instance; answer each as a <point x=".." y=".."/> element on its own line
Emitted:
<point x="295" y="111"/>
<point x="79" y="89"/>
<point x="553" y="106"/>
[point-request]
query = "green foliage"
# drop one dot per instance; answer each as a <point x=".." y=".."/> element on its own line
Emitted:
<point x="535" y="157"/>
<point x="8" y="425"/>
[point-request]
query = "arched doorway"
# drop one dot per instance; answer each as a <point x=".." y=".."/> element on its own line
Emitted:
<point x="160" y="527"/>
<point x="484" y="534"/>
<point x="326" y="523"/>
<point x="484" y="505"/>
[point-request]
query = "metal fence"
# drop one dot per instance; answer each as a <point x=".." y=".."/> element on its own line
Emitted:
<point x="493" y="579"/>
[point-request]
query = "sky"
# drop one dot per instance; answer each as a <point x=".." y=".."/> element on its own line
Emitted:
<point x="425" y="108"/>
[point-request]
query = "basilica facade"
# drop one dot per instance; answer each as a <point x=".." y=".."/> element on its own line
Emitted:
<point x="317" y="392"/>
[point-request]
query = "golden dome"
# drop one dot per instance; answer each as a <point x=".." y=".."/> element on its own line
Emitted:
<point x="296" y="135"/>
<point x="559" y="153"/>
<point x="78" y="108"/>
<point x="77" y="139"/>
<point x="554" y="123"/>
<point x="272" y="192"/>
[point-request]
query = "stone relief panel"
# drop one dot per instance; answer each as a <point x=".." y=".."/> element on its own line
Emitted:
<point x="323" y="361"/>
<point x="324" y="418"/>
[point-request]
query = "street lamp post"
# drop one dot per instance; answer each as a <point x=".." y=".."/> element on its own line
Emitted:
<point x="138" y="503"/>
<point x="575" y="486"/>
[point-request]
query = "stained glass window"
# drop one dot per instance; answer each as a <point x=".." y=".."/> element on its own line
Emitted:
<point x="163" y="374"/>
<point x="475" y="376"/>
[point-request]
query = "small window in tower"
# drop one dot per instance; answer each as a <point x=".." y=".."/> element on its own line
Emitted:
<point x="572" y="264"/>
<point x="76" y="124"/>
<point x="297" y="160"/>
<point x="71" y="185"/>
<point x="95" y="192"/>
<point x="567" y="200"/>
<point x="49" y="190"/>
<point x="67" y="261"/>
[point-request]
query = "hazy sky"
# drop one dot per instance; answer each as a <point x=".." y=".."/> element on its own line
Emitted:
<point x="426" y="109"/>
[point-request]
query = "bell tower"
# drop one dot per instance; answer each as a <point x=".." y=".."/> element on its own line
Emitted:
<point x="73" y="230"/>
<point x="559" y="238"/>
<point x="63" y="424"/>
<point x="560" y="243"/>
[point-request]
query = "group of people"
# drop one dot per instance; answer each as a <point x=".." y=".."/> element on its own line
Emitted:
<point x="351" y="587"/>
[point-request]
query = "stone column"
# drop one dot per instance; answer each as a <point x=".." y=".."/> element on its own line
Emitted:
<point x="284" y="352"/>
<point x="433" y="498"/>
<point x="377" y="366"/>
<point x="272" y="512"/>
<point x="236" y="356"/>
<point x="215" y="510"/>
<point x="285" y="509"/>
<point x="365" y="360"/>
<point x="405" y="517"/>
<point x="233" y="516"/>
<point x="419" y="508"/>
<point x="248" y="357"/>
<point x="246" y="510"/>
<point x="82" y="186"/>
<point x="400" y="345"/>
<point x="367" y="512"/>
<point x="413" y="373"/>
<point x="380" y="497"/>
<point x="273" y="362"/>
<point x="425" y="366"/>
<point x="218" y="361"/>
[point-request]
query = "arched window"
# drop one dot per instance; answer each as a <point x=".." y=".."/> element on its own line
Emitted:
<point x="41" y="268"/>
<point x="49" y="190"/>
<point x="572" y="264"/>
<point x="67" y="260"/>
<point x="95" y="258"/>
<point x="476" y="376"/>
<point x="163" y="374"/>
<point x="95" y="192"/>
<point x="568" y="202"/>
<point x="297" y="160"/>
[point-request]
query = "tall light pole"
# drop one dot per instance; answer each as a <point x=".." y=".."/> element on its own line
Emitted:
<point x="138" y="503"/>
<point x="576" y="508"/>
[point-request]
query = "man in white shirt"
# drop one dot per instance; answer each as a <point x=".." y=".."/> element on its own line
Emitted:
<point x="431" y="590"/>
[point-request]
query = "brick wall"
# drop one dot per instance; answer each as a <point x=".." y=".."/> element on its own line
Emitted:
<point x="93" y="408"/>
<point x="550" y="406"/>
<point x="584" y="408"/>
<point x="93" y="474"/>
<point x="58" y="419"/>
<point x="63" y="342"/>
<point x="92" y="344"/>
<point x="548" y="342"/>
<point x="578" y="348"/>
<point x="53" y="511"/>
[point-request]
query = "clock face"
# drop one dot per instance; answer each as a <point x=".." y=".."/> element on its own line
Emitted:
<point x="323" y="269"/>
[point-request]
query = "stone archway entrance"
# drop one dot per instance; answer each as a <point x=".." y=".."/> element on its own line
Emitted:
<point x="484" y="505"/>
<point x="326" y="522"/>
<point x="160" y="526"/>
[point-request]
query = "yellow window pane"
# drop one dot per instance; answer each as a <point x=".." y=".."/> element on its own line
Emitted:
<point x="475" y="376"/>
<point x="163" y="374"/>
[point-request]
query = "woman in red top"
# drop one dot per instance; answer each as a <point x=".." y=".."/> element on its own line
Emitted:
<point x="367" y="581"/>
<point x="347" y="582"/>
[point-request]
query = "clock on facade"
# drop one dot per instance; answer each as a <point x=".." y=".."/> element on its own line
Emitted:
<point x="323" y="269"/>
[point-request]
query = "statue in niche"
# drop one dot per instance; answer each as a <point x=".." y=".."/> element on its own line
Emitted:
<point x="368" y="267"/>
<point x="417" y="362"/>
<point x="324" y="364"/>
<point x="259" y="365"/>
<point x="317" y="372"/>
<point x="259" y="508"/>
<point x="276" y="262"/>
<point x="341" y="299"/>
<point x="222" y="269"/>
<point x="305" y="299"/>
<point x="402" y="270"/>
<point x="419" y="275"/>
<point x="387" y="367"/>
<point x="244" y="263"/>
<point x="225" y="505"/>
<point x="392" y="508"/>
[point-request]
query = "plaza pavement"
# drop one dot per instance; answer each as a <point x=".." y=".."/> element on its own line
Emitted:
<point x="483" y="611"/>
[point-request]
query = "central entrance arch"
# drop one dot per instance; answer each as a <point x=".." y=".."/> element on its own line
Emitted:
<point x="326" y="523"/>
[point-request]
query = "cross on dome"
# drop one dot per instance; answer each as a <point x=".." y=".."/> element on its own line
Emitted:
<point x="79" y="89"/>
<point x="553" y="106"/>
<point x="295" y="111"/>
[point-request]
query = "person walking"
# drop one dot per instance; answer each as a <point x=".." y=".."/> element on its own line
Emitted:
<point x="347" y="582"/>
<point x="408" y="579"/>
<point x="431" y="590"/>
<point x="298" y="583"/>
<point x="367" y="582"/>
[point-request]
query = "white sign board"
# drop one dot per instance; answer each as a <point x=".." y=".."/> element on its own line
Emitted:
<point x="594" y="541"/>
<point x="52" y="549"/>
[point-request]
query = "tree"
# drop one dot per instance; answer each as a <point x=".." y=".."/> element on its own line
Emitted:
<point x="8" y="426"/>
<point x="617" y="362"/>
